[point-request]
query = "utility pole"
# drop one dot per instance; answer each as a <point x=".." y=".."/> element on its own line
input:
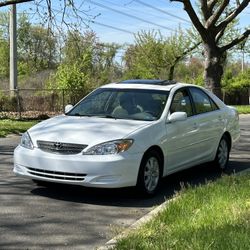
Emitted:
<point x="13" y="50"/>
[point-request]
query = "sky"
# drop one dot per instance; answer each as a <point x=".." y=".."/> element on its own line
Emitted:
<point x="118" y="20"/>
<point x="138" y="15"/>
<point x="132" y="16"/>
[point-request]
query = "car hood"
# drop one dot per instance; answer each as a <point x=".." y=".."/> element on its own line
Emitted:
<point x="84" y="130"/>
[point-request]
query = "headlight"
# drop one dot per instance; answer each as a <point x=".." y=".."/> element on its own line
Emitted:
<point x="110" y="148"/>
<point x="26" y="141"/>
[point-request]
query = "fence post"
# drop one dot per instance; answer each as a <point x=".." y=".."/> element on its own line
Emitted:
<point x="18" y="104"/>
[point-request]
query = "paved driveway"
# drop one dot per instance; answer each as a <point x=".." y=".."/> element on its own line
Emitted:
<point x="69" y="217"/>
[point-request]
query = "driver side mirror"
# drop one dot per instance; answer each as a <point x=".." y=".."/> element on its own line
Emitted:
<point x="177" y="116"/>
<point x="68" y="108"/>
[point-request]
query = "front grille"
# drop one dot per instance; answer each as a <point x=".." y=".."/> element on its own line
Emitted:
<point x="61" y="147"/>
<point x="56" y="175"/>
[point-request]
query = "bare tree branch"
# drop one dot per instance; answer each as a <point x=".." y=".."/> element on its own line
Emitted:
<point x="194" y="18"/>
<point x="214" y="18"/>
<point x="204" y="9"/>
<point x="233" y="15"/>
<point x="6" y="3"/>
<point x="220" y="35"/>
<point x="211" y="4"/>
<point x="236" y="41"/>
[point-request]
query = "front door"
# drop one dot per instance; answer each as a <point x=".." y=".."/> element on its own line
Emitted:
<point x="182" y="142"/>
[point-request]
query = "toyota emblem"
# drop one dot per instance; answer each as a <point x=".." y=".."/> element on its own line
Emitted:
<point x="58" y="145"/>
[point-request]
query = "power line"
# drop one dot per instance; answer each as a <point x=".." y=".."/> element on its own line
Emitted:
<point x="162" y="11"/>
<point x="129" y="15"/>
<point x="143" y="12"/>
<point x="110" y="26"/>
<point x="92" y="21"/>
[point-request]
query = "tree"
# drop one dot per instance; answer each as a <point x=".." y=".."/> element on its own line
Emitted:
<point x="102" y="65"/>
<point x="190" y="71"/>
<point x="57" y="15"/>
<point x="36" y="45"/>
<point x="216" y="17"/>
<point x="4" y="59"/>
<point x="154" y="56"/>
<point x="4" y="45"/>
<point x="86" y="63"/>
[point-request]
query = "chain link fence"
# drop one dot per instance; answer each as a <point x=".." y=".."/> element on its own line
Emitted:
<point x="36" y="103"/>
<point x="43" y="103"/>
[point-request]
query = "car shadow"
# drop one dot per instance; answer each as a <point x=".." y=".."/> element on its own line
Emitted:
<point x="127" y="197"/>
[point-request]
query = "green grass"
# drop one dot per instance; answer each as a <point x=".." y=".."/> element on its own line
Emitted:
<point x="14" y="127"/>
<point x="243" y="109"/>
<point x="212" y="216"/>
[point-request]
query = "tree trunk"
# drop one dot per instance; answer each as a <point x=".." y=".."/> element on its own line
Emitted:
<point x="214" y="67"/>
<point x="171" y="72"/>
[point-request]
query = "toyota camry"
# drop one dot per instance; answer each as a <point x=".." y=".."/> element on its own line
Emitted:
<point x="130" y="133"/>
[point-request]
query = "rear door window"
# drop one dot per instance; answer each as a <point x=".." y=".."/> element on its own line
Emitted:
<point x="202" y="102"/>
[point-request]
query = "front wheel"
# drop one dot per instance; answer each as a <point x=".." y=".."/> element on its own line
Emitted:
<point x="150" y="173"/>
<point x="222" y="155"/>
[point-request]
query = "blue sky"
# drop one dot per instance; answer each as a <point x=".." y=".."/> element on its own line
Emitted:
<point x="165" y="16"/>
<point x="154" y="18"/>
<point x="126" y="17"/>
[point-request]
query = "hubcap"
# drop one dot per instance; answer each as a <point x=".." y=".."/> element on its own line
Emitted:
<point x="223" y="153"/>
<point x="151" y="174"/>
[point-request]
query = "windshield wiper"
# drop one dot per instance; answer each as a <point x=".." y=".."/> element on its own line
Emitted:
<point x="94" y="115"/>
<point x="77" y="114"/>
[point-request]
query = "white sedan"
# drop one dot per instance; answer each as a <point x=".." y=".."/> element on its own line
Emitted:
<point x="129" y="133"/>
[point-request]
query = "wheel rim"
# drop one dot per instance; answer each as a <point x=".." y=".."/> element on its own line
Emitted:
<point x="151" y="174"/>
<point x="223" y="153"/>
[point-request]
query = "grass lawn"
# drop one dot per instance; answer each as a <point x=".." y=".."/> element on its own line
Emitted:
<point x="14" y="127"/>
<point x="212" y="216"/>
<point x="244" y="109"/>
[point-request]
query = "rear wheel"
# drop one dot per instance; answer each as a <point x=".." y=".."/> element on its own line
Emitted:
<point x="150" y="173"/>
<point x="222" y="155"/>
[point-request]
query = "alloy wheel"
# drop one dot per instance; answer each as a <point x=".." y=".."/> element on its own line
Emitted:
<point x="223" y="153"/>
<point x="151" y="174"/>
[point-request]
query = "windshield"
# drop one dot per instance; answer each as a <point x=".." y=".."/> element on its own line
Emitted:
<point x="134" y="104"/>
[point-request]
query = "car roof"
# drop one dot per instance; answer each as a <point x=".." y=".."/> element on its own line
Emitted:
<point x="149" y="81"/>
<point x="166" y="85"/>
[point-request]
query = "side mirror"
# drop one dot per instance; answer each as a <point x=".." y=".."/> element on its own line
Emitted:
<point x="68" y="108"/>
<point x="177" y="116"/>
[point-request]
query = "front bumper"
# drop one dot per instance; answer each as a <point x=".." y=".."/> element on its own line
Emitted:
<point x="109" y="171"/>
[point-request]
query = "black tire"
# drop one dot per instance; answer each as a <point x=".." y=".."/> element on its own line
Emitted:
<point x="150" y="173"/>
<point x="222" y="154"/>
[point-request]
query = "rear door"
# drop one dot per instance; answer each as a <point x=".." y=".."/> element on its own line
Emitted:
<point x="210" y="121"/>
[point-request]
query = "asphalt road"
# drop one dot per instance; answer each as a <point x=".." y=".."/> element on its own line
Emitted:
<point x="68" y="217"/>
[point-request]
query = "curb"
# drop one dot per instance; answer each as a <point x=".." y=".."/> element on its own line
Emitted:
<point x="111" y="243"/>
